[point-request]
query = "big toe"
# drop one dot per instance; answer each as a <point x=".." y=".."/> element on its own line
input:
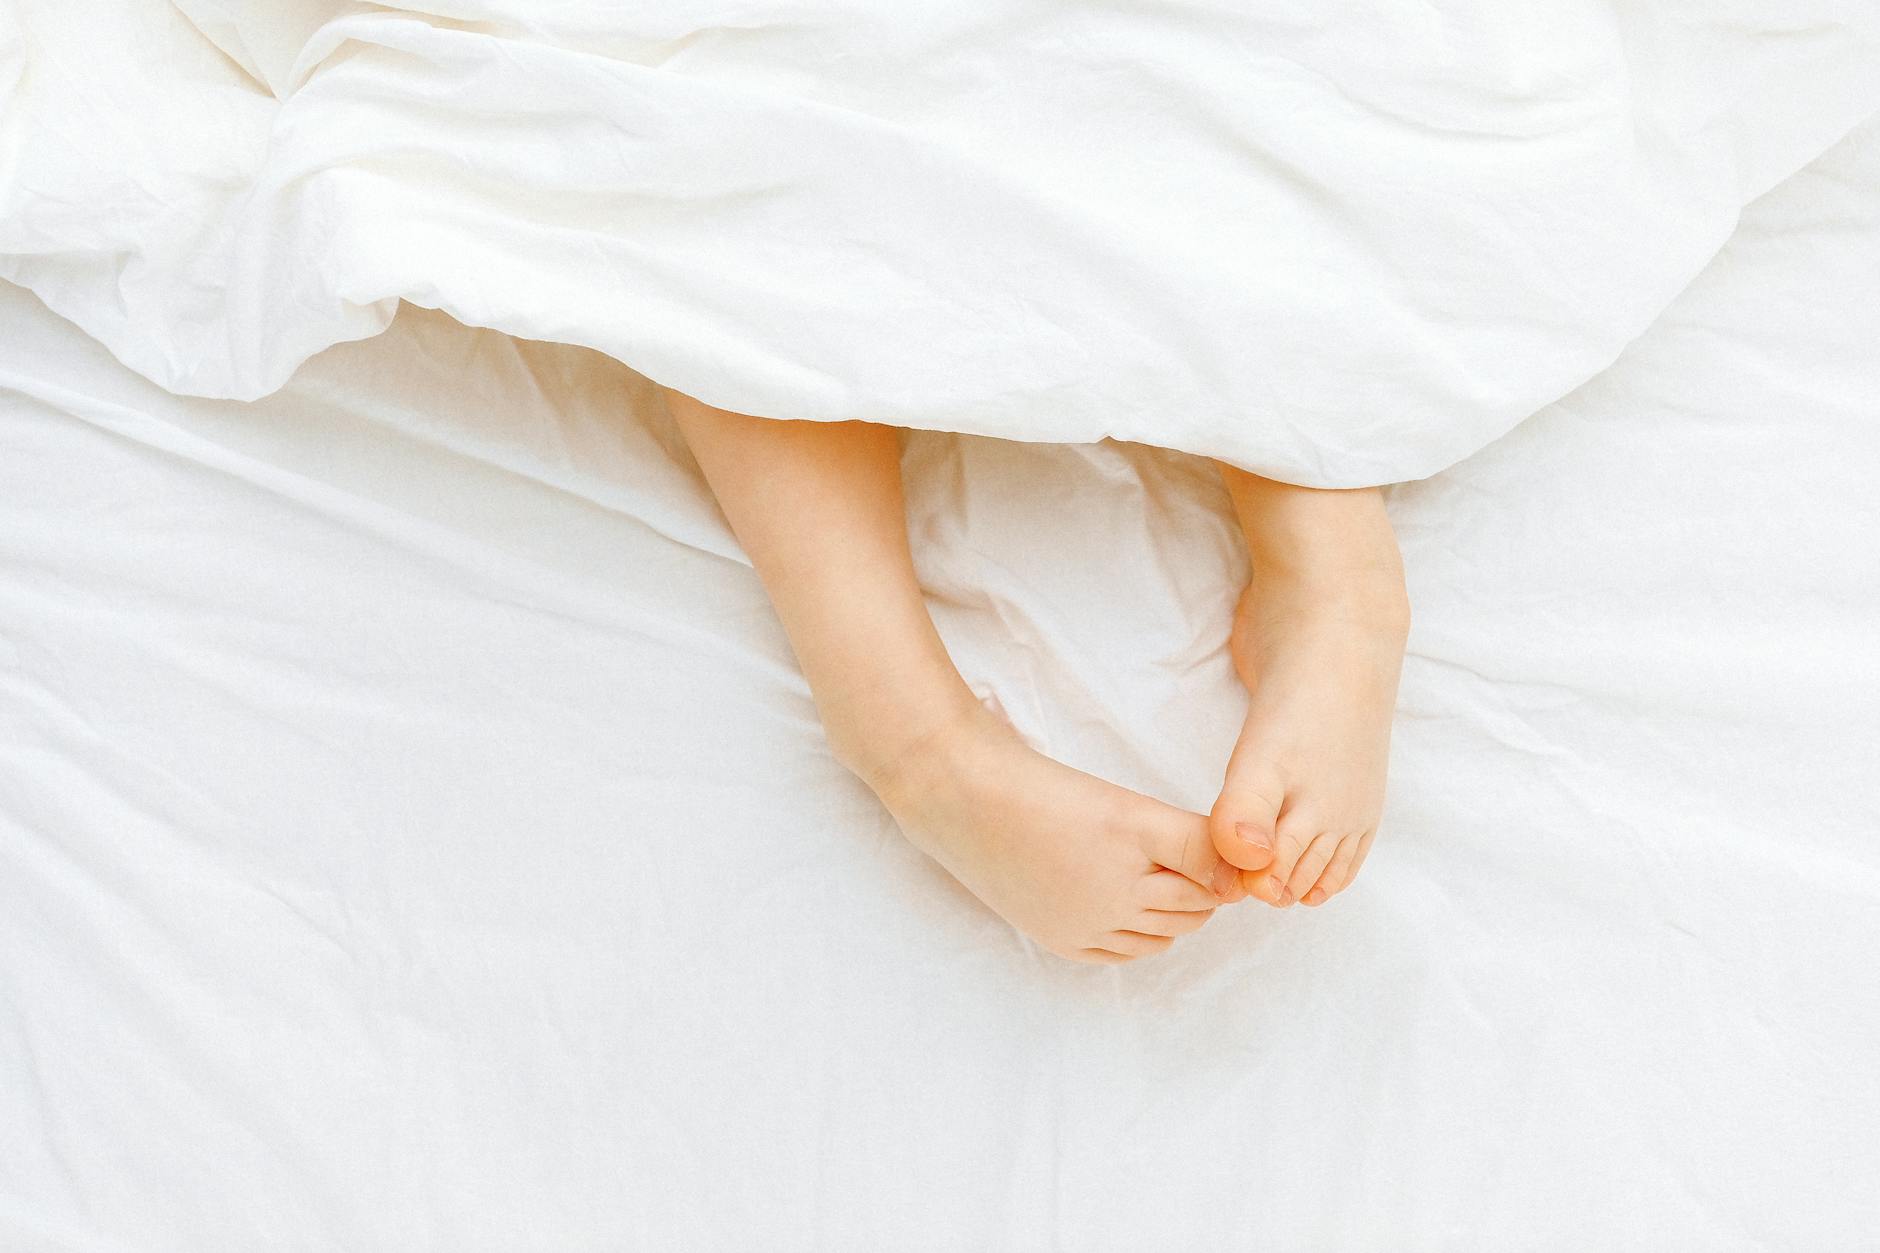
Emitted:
<point x="1178" y="840"/>
<point x="1245" y="816"/>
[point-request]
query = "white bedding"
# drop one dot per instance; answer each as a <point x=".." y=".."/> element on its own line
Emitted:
<point x="1339" y="244"/>
<point x="415" y="835"/>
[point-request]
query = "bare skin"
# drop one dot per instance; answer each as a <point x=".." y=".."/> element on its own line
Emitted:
<point x="1088" y="870"/>
<point x="1318" y="640"/>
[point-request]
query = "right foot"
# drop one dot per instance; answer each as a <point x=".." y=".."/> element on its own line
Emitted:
<point x="1090" y="871"/>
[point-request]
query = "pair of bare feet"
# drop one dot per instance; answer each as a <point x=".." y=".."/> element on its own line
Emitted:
<point x="1098" y="873"/>
<point x="1087" y="869"/>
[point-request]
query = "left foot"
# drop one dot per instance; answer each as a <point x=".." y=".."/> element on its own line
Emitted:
<point x="1305" y="787"/>
<point x="1088" y="870"/>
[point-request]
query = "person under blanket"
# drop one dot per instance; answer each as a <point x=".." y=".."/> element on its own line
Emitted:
<point x="1088" y="870"/>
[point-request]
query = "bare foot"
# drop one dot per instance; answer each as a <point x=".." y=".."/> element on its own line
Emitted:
<point x="1088" y="870"/>
<point x="1305" y="787"/>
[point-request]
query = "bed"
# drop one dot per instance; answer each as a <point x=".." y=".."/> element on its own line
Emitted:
<point x="414" y="831"/>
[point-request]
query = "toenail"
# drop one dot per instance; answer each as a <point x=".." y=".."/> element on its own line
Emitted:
<point x="1285" y="897"/>
<point x="1253" y="835"/>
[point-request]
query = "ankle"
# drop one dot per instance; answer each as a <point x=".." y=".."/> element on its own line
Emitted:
<point x="894" y="746"/>
<point x="1330" y="554"/>
<point x="1370" y="595"/>
<point x="1295" y="530"/>
<point x="1371" y="607"/>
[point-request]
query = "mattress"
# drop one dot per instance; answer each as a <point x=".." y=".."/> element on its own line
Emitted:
<point x="414" y="832"/>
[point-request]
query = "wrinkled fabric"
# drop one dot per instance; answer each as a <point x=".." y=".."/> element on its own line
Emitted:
<point x="414" y="833"/>
<point x="1338" y="245"/>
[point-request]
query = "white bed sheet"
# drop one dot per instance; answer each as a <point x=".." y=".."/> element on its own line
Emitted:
<point x="414" y="834"/>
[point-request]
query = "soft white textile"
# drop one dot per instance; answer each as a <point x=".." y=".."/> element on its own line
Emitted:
<point x="414" y="834"/>
<point x="1340" y="244"/>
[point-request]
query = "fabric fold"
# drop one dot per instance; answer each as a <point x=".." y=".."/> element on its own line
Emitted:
<point x="1337" y="246"/>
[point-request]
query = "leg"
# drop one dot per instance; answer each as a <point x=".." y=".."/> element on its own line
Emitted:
<point x="1318" y="639"/>
<point x="1089" y="870"/>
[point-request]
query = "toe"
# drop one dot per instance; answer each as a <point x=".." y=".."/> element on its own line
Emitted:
<point x="1343" y="868"/>
<point x="1364" y="851"/>
<point x="1170" y="923"/>
<point x="1178" y="841"/>
<point x="1312" y="864"/>
<point x="1244" y="818"/>
<point x="1165" y="889"/>
<point x="1336" y="874"/>
<point x="1135" y="943"/>
<point x="1290" y="842"/>
<point x="1358" y="862"/>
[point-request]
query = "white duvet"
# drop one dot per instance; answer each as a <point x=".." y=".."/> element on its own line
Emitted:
<point x="1341" y="245"/>
<point x="414" y="833"/>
